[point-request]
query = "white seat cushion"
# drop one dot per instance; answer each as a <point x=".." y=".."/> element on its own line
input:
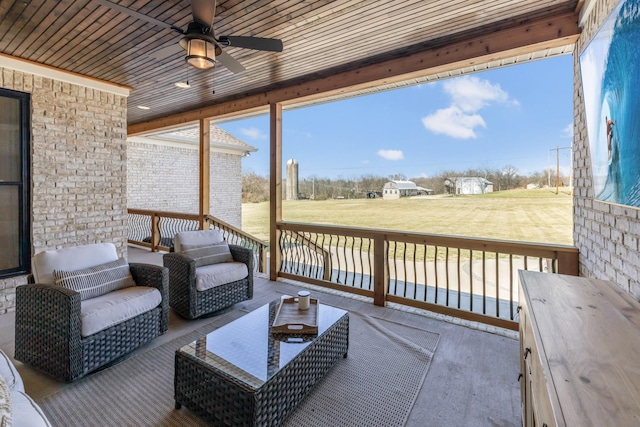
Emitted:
<point x="110" y="309"/>
<point x="219" y="274"/>
<point x="69" y="259"/>
<point x="196" y="238"/>
<point x="10" y="374"/>
<point x="26" y="412"/>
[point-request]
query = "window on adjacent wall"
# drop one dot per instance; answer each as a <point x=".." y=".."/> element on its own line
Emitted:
<point x="14" y="183"/>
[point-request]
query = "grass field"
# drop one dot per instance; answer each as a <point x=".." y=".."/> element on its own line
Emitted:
<point x="522" y="215"/>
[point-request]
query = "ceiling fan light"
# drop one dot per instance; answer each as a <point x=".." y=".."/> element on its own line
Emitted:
<point x="200" y="54"/>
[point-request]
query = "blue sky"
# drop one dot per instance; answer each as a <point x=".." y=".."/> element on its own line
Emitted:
<point x="507" y="116"/>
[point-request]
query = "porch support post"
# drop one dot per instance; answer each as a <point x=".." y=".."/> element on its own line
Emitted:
<point x="380" y="270"/>
<point x="569" y="263"/>
<point x="205" y="165"/>
<point x="275" y="188"/>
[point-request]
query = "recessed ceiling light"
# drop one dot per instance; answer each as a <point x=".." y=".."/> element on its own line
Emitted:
<point x="142" y="107"/>
<point x="183" y="85"/>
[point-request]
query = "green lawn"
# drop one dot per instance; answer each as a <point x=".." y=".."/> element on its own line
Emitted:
<point x="522" y="215"/>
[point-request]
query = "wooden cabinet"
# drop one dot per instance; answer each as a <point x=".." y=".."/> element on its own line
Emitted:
<point x="580" y="352"/>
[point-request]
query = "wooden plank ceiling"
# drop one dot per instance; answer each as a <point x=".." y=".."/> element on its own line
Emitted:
<point x="321" y="38"/>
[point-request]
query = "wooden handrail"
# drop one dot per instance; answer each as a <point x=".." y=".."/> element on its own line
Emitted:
<point x="470" y="243"/>
<point x="176" y="215"/>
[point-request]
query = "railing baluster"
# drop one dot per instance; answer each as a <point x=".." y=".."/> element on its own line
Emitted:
<point x="459" y="282"/>
<point x="511" y="285"/>
<point x="335" y="251"/>
<point x="353" y="260"/>
<point x="370" y="263"/>
<point x="497" y="285"/>
<point x="304" y="251"/>
<point x="283" y="251"/>
<point x="435" y="269"/>
<point x="446" y="268"/>
<point x="484" y="284"/>
<point x="426" y="280"/>
<point x="403" y="273"/>
<point x="471" y="279"/>
<point x="395" y="276"/>
<point x="415" y="272"/>
<point x="362" y="251"/>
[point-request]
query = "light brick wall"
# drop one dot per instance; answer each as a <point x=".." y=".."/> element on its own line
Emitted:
<point x="165" y="178"/>
<point x="606" y="234"/>
<point x="78" y="167"/>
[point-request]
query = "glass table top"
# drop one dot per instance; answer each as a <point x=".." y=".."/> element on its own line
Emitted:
<point x="246" y="350"/>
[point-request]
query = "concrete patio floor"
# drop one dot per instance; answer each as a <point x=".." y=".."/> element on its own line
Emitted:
<point x="472" y="380"/>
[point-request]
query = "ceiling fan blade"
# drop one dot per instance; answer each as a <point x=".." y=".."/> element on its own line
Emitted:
<point x="257" y="43"/>
<point x="230" y="62"/>
<point x="167" y="51"/>
<point x="203" y="11"/>
<point x="137" y="15"/>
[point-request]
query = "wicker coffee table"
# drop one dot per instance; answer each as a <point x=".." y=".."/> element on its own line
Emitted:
<point x="242" y="375"/>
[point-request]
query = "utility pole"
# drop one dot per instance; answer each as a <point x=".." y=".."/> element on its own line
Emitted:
<point x="557" y="150"/>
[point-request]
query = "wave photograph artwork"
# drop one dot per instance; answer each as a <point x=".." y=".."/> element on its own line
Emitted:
<point x="610" y="69"/>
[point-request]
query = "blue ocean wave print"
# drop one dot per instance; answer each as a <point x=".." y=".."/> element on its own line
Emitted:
<point x="620" y="95"/>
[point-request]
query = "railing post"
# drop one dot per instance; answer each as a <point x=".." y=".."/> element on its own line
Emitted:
<point x="262" y="259"/>
<point x="380" y="270"/>
<point x="155" y="232"/>
<point x="568" y="263"/>
<point x="275" y="188"/>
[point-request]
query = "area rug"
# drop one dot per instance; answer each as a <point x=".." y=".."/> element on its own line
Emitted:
<point x="376" y="384"/>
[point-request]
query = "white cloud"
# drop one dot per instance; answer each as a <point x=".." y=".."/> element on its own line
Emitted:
<point x="469" y="95"/>
<point x="391" y="154"/>
<point x="253" y="133"/>
<point x="365" y="162"/>
<point x="567" y="132"/>
<point x="453" y="122"/>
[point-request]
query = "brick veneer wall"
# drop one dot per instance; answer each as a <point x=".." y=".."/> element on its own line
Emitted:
<point x="165" y="178"/>
<point x="606" y="234"/>
<point x="78" y="167"/>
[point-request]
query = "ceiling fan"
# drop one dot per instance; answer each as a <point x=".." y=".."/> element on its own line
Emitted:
<point x="203" y="48"/>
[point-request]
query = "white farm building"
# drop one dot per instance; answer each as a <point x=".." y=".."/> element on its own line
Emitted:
<point x="397" y="189"/>
<point x="472" y="185"/>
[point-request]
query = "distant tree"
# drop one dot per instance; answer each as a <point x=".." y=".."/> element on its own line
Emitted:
<point x="255" y="188"/>
<point x="398" y="177"/>
<point x="371" y="183"/>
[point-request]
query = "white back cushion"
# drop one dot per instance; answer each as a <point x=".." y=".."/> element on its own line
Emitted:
<point x="73" y="258"/>
<point x="196" y="238"/>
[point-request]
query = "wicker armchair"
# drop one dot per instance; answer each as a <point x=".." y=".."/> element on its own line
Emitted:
<point x="50" y="335"/>
<point x="186" y="296"/>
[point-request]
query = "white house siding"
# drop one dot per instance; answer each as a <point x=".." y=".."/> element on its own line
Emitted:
<point x="606" y="234"/>
<point x="165" y="178"/>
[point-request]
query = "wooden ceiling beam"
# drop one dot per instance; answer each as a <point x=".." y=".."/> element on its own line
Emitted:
<point x="533" y="36"/>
